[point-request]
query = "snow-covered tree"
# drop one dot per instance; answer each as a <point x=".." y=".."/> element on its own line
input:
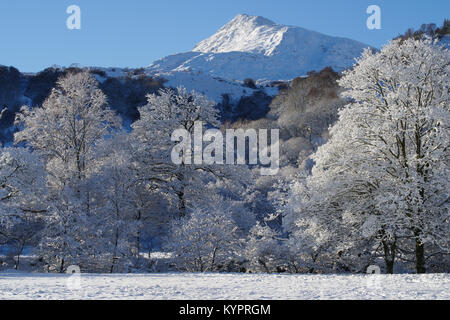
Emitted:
<point x="401" y="116"/>
<point x="206" y="240"/>
<point x="312" y="241"/>
<point x="264" y="250"/>
<point x="68" y="125"/>
<point x="66" y="131"/>
<point x="114" y="188"/>
<point x="22" y="198"/>
<point x="164" y="113"/>
<point x="383" y="176"/>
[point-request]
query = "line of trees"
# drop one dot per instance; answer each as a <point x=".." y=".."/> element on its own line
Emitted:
<point x="91" y="188"/>
<point x="84" y="191"/>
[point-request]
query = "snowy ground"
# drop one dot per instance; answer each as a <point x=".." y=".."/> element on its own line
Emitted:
<point x="223" y="286"/>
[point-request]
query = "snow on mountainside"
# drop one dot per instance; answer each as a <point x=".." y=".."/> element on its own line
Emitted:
<point x="212" y="87"/>
<point x="247" y="34"/>
<point x="255" y="47"/>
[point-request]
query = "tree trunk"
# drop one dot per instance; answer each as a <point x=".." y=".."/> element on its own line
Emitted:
<point x="420" y="248"/>
<point x="213" y="261"/>
<point x="389" y="255"/>
<point x="389" y="266"/>
<point x="61" y="269"/>
<point x="16" y="267"/>
<point x="420" y="257"/>
<point x="138" y="248"/>
<point x="19" y="253"/>
<point x="116" y="241"/>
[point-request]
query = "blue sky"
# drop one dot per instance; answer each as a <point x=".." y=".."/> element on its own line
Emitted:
<point x="134" y="33"/>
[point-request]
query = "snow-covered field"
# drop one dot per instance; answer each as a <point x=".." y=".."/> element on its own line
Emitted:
<point x="224" y="286"/>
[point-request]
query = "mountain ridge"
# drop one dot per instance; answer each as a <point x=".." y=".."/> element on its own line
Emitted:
<point x="258" y="48"/>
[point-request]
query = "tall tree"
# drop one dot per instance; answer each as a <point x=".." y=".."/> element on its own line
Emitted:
<point x="384" y="172"/>
<point x="164" y="113"/>
<point x="66" y="131"/>
<point x="401" y="116"/>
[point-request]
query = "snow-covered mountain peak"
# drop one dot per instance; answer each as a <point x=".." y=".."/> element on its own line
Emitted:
<point x="244" y="19"/>
<point x="255" y="47"/>
<point x="253" y="34"/>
